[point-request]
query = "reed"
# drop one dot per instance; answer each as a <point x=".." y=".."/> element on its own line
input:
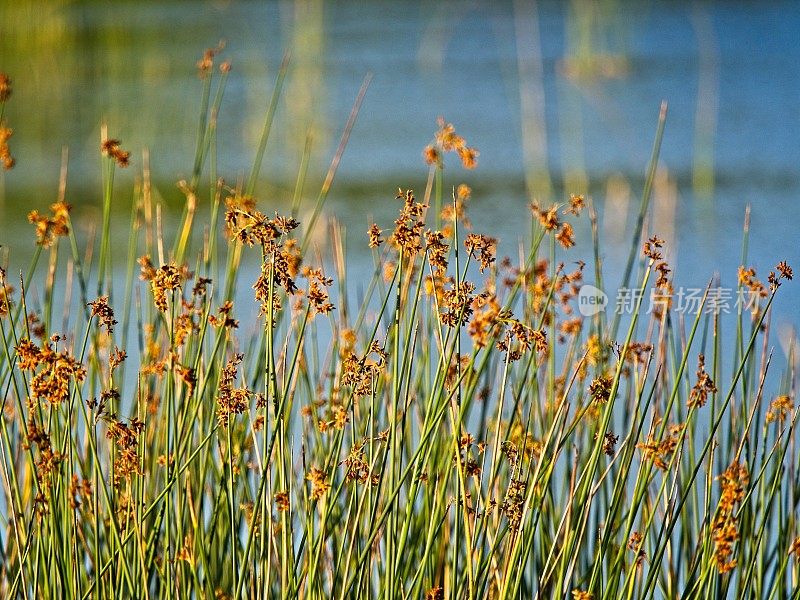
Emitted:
<point x="458" y="430"/>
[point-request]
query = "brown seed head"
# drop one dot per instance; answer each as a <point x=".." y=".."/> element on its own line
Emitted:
<point x="104" y="313"/>
<point x="566" y="236"/>
<point x="576" y="204"/>
<point x="111" y="148"/>
<point x="481" y="247"/>
<point x="375" y="238"/>
<point x="5" y="87"/>
<point x="784" y="269"/>
<point x="704" y="386"/>
<point x="48" y="228"/>
<point x="282" y="501"/>
<point x="651" y="247"/>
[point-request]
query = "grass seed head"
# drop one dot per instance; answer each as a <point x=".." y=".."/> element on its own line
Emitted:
<point x="112" y="149"/>
<point x="5" y="87"/>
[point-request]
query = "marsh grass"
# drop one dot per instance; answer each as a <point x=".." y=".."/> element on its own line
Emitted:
<point x="455" y="430"/>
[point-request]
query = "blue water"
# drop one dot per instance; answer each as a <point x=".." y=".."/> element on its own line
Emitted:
<point x="131" y="65"/>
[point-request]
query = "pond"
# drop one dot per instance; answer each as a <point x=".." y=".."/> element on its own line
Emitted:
<point x="558" y="97"/>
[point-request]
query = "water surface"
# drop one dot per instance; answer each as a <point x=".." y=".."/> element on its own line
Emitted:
<point x="558" y="97"/>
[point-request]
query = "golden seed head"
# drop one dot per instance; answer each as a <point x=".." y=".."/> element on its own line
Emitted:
<point x="576" y="205"/>
<point x="48" y="228"/>
<point x="447" y="140"/>
<point x="5" y="152"/>
<point x="566" y="236"/>
<point x="779" y="409"/>
<point x="319" y="483"/>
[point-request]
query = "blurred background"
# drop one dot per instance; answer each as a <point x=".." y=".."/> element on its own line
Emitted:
<point x="559" y="97"/>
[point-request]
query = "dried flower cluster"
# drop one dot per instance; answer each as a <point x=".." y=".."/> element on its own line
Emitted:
<point x="725" y="528"/>
<point x="167" y="278"/>
<point x="482" y="248"/>
<point x="635" y="543"/>
<point x="52" y="371"/>
<point x="520" y="338"/>
<point x="466" y="456"/>
<point x="409" y="226"/>
<point x="375" y="238"/>
<point x="748" y="279"/>
<point x="609" y="443"/>
<point x="704" y="386"/>
<point x="357" y="469"/>
<point x="360" y="373"/>
<point x="111" y="148"/>
<point x="317" y="293"/>
<point x="281" y="257"/>
<point x="487" y="320"/>
<point x="576" y="205"/>
<point x="779" y="409"/>
<point x="548" y="219"/>
<point x="437" y="250"/>
<point x="520" y="445"/>
<point x="447" y="140"/>
<point x="126" y="437"/>
<point x="600" y="389"/>
<point x="231" y="400"/>
<point x="224" y="319"/>
<point x="282" y="501"/>
<point x="784" y="272"/>
<point x="319" y="483"/>
<point x="116" y="358"/>
<point x="660" y="452"/>
<point x="456" y="306"/>
<point x="338" y="418"/>
<point x="250" y="226"/>
<point x="52" y="227"/>
<point x="514" y="501"/>
<point x="104" y="313"/>
<point x="5" y="151"/>
<point x="652" y="250"/>
<point x="435" y="593"/>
